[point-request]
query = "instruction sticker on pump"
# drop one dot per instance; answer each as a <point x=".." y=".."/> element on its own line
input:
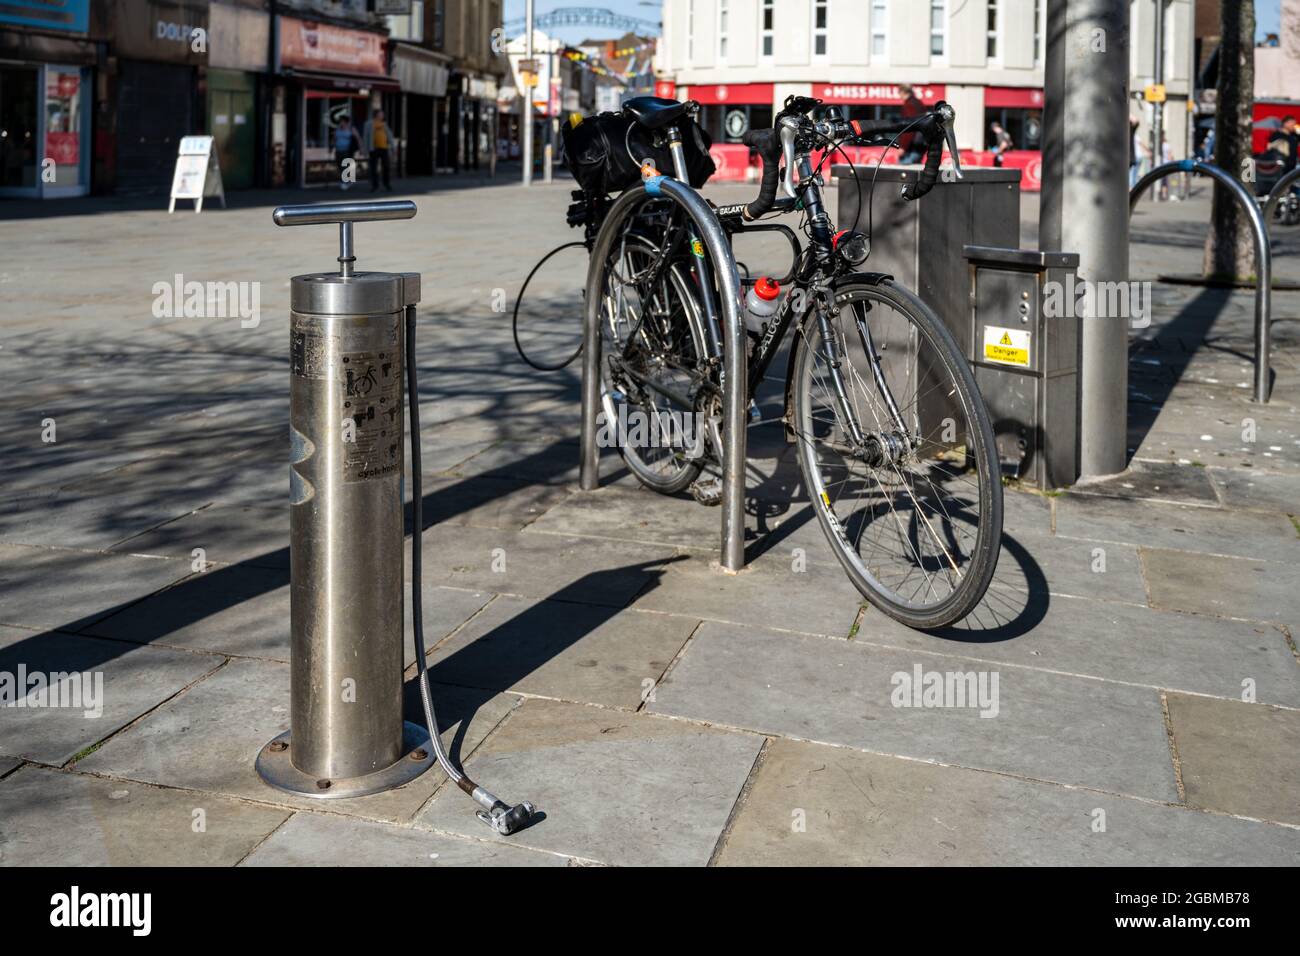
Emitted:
<point x="1006" y="346"/>
<point x="372" y="399"/>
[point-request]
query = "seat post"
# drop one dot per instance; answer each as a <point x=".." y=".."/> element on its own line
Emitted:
<point x="679" y="156"/>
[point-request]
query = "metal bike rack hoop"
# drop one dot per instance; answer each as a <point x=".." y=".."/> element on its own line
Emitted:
<point x="1263" y="254"/>
<point x="734" y="363"/>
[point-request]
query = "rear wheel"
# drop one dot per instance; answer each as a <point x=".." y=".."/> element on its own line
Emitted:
<point x="900" y="467"/>
<point x="651" y="328"/>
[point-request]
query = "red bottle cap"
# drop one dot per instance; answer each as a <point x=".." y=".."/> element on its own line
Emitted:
<point x="767" y="289"/>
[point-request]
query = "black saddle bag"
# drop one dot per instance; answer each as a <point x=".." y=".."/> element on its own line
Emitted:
<point x="605" y="152"/>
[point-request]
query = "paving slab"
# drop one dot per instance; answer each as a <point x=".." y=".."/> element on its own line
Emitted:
<point x="8" y="764"/>
<point x="50" y="818"/>
<point x="586" y="570"/>
<point x="1155" y="481"/>
<point x="1025" y="511"/>
<point x="553" y="462"/>
<point x="252" y="535"/>
<point x="43" y="587"/>
<point x="1227" y="587"/>
<point x="208" y="739"/>
<point x="1245" y="534"/>
<point x="812" y="805"/>
<point x="1047" y="726"/>
<point x="94" y="518"/>
<point x="571" y="651"/>
<point x="316" y="839"/>
<point x="770" y="592"/>
<point x="244" y="612"/>
<point x="489" y="502"/>
<point x="1117" y="642"/>
<point x="103" y="686"/>
<point x="617" y="788"/>
<point x="624" y="513"/>
<point x="1259" y="490"/>
<point x="1238" y="757"/>
<point x="1037" y="562"/>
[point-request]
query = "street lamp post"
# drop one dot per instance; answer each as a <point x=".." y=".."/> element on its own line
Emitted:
<point x="1085" y="202"/>
<point x="528" y="95"/>
<point x="1158" y="78"/>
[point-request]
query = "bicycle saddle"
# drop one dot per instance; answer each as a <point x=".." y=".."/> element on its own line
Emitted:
<point x="654" y="112"/>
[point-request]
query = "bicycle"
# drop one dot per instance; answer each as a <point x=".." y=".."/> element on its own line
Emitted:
<point x="902" y="473"/>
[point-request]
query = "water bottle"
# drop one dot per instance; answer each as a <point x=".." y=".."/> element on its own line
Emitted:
<point x="761" y="304"/>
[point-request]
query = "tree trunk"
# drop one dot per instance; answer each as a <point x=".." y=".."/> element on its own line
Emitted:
<point x="1229" y="247"/>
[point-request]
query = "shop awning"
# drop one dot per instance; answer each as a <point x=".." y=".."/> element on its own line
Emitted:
<point x="344" y="81"/>
<point x="734" y="94"/>
<point x="419" y="71"/>
<point x="1013" y="98"/>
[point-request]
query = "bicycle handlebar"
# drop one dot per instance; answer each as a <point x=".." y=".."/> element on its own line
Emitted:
<point x="767" y="143"/>
<point x="936" y="128"/>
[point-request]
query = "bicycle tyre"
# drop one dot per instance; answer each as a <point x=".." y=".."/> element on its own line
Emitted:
<point x="981" y="561"/>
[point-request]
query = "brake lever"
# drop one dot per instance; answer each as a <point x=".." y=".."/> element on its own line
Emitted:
<point x="789" y="132"/>
<point x="949" y="116"/>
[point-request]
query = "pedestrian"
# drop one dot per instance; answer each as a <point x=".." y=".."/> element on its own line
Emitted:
<point x="1001" y="143"/>
<point x="1134" y="152"/>
<point x="379" y="145"/>
<point x="1166" y="156"/>
<point x="1285" y="142"/>
<point x="345" y="147"/>
<point x="910" y="143"/>
<point x="1207" y="146"/>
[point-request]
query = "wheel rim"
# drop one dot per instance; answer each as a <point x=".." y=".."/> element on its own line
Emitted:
<point x="911" y="524"/>
<point x="664" y="344"/>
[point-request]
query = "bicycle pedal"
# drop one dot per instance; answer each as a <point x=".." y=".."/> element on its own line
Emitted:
<point x="707" y="491"/>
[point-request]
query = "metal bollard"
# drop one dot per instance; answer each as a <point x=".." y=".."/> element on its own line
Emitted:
<point x="347" y="736"/>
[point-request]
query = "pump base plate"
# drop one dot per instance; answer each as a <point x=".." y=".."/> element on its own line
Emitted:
<point x="277" y="769"/>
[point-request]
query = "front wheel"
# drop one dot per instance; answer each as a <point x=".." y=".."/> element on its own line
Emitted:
<point x="898" y="454"/>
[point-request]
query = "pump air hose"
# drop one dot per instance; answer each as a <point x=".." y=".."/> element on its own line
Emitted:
<point x="497" y="814"/>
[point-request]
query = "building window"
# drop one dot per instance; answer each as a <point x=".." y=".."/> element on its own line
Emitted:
<point x="938" y="27"/>
<point x="439" y="24"/>
<point x="690" y="32"/>
<point x="766" y="25"/>
<point x="724" y="14"/>
<point x="879" y="26"/>
<point x="994" y="26"/>
<point x="821" y="16"/>
<point x="1038" y="32"/>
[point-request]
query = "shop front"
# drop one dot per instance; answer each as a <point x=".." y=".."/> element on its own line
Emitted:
<point x="876" y="101"/>
<point x="1019" y="111"/>
<point x="423" y="77"/>
<point x="731" y="110"/>
<point x="330" y="72"/>
<point x="237" y="57"/>
<point x="158" y="99"/>
<point x="46" y="98"/>
<point x="469" y="136"/>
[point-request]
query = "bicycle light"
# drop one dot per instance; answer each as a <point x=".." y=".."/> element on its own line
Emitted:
<point x="852" y="247"/>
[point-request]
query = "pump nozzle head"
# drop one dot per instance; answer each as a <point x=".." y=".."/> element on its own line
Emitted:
<point x="506" y="820"/>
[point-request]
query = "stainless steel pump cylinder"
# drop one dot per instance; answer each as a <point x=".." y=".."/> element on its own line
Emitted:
<point x="347" y="735"/>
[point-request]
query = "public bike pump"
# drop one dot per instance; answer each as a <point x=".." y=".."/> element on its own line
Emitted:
<point x="348" y="347"/>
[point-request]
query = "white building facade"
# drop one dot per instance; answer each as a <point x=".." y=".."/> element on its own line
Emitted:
<point x="742" y="58"/>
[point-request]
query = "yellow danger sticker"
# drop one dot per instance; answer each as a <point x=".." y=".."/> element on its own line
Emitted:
<point x="1007" y="346"/>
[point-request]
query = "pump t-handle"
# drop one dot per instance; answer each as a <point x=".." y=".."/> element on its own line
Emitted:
<point x="345" y="214"/>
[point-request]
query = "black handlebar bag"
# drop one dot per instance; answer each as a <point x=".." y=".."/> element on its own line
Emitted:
<point x="605" y="153"/>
